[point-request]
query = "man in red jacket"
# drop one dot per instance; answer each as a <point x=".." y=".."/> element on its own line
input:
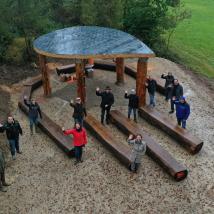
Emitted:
<point x="79" y="140"/>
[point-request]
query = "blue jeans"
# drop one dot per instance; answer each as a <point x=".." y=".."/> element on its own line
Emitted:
<point x="33" y="121"/>
<point x="130" y="109"/>
<point x="14" y="146"/>
<point x="182" y="122"/>
<point x="152" y="99"/>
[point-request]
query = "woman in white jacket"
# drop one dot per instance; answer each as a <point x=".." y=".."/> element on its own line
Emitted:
<point x="139" y="149"/>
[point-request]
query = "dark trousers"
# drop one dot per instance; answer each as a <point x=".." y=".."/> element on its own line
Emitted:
<point x="168" y="93"/>
<point x="14" y="146"/>
<point x="78" y="153"/>
<point x="104" y="111"/>
<point x="2" y="179"/>
<point x="33" y="122"/>
<point x="130" y="109"/>
<point x="182" y="123"/>
<point x="172" y="105"/>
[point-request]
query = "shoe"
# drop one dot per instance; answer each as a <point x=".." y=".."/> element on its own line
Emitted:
<point x="135" y="120"/>
<point x="171" y="112"/>
<point x="14" y="157"/>
<point x="19" y="152"/>
<point x="3" y="189"/>
<point x="5" y="184"/>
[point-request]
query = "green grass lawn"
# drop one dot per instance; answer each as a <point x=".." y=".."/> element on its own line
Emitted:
<point x="193" y="40"/>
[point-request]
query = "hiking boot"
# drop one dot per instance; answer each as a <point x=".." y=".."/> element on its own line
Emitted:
<point x="3" y="189"/>
<point x="171" y="112"/>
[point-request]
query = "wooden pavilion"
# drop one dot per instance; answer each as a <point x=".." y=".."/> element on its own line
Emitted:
<point x="90" y="42"/>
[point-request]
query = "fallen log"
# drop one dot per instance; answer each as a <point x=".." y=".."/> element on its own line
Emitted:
<point x="154" y="150"/>
<point x="184" y="137"/>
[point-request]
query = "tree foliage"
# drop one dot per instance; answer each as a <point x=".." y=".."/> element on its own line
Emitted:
<point x="146" y="19"/>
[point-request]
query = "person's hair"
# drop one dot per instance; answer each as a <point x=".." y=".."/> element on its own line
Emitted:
<point x="139" y="135"/>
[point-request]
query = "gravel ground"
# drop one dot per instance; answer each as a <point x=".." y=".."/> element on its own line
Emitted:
<point x="45" y="180"/>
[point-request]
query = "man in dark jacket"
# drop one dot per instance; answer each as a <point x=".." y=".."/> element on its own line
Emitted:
<point x="168" y="84"/>
<point x="151" y="86"/>
<point x="106" y="103"/>
<point x="13" y="129"/>
<point x="34" y="112"/>
<point x="79" y="111"/>
<point x="182" y="111"/>
<point x="177" y="92"/>
<point x="133" y="103"/>
<point x="2" y="173"/>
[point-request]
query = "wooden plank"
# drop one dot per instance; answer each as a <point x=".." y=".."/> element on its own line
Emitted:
<point x="154" y="150"/>
<point x="46" y="124"/>
<point x="80" y="75"/>
<point x="120" y="150"/>
<point x="184" y="137"/>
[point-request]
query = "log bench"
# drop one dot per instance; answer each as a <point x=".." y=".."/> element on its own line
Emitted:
<point x="184" y="137"/>
<point x="154" y="150"/>
<point x="53" y="130"/>
<point x="110" y="66"/>
<point x="120" y="150"/>
<point x="65" y="69"/>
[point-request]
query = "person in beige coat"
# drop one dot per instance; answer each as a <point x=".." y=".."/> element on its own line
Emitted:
<point x="139" y="149"/>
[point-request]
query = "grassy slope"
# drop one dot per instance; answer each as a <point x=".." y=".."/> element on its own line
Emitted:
<point x="193" y="40"/>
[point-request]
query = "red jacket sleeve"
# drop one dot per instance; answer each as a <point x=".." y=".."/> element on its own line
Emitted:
<point x="68" y="131"/>
<point x="85" y="137"/>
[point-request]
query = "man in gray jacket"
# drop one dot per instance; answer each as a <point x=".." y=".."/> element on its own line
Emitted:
<point x="2" y="173"/>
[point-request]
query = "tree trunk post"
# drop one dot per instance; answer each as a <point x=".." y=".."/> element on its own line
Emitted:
<point x="120" y="71"/>
<point x="45" y="75"/>
<point x="81" y="88"/>
<point x="142" y="66"/>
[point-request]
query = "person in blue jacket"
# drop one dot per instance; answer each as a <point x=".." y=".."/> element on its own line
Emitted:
<point x="182" y="111"/>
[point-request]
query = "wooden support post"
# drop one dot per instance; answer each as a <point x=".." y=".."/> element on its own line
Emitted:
<point x="45" y="75"/>
<point x="141" y="79"/>
<point x="81" y="90"/>
<point x="120" y="71"/>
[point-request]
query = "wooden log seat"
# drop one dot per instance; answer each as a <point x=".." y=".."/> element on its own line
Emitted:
<point x="154" y="150"/>
<point x="46" y="124"/>
<point x="184" y="137"/>
<point x="65" y="69"/>
<point x="110" y="66"/>
<point x="120" y="150"/>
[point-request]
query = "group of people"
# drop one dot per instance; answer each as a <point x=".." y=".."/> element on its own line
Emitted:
<point x="174" y="93"/>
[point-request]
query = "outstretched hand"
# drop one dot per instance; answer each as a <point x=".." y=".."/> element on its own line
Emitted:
<point x="25" y="97"/>
<point x="131" y="136"/>
<point x="97" y="89"/>
<point x="1" y="125"/>
<point x="63" y="129"/>
<point x="126" y="92"/>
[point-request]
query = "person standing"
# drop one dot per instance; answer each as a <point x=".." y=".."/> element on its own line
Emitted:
<point x="79" y="111"/>
<point x="34" y="112"/>
<point x="79" y="140"/>
<point x="182" y="111"/>
<point x="151" y="86"/>
<point x="2" y="173"/>
<point x="106" y="103"/>
<point x="139" y="149"/>
<point x="177" y="92"/>
<point x="13" y="129"/>
<point x="168" y="84"/>
<point x="133" y="103"/>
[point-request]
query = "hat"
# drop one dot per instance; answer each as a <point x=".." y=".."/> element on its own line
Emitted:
<point x="107" y="88"/>
<point x="133" y="91"/>
<point x="182" y="98"/>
